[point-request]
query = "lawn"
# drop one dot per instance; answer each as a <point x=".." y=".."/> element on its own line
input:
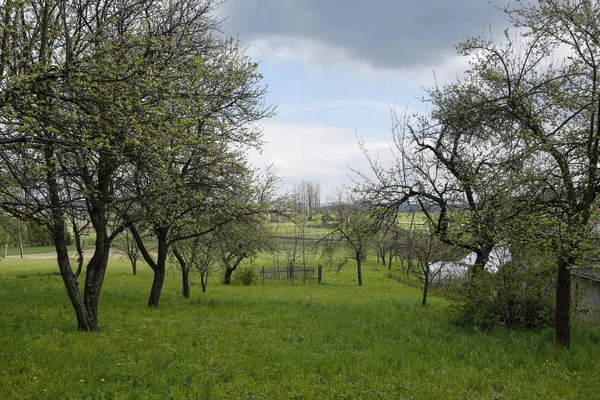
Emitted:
<point x="271" y="341"/>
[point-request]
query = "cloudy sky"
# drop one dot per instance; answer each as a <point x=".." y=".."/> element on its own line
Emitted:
<point x="335" y="69"/>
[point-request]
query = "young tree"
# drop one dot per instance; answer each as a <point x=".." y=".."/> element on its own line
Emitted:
<point x="199" y="255"/>
<point x="428" y="253"/>
<point x="242" y="239"/>
<point x="354" y="227"/>
<point x="126" y="245"/>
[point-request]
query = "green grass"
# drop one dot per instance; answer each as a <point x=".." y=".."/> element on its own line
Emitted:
<point x="272" y="341"/>
<point x="290" y="229"/>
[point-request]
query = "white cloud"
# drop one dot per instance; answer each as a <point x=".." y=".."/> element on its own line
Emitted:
<point x="321" y="154"/>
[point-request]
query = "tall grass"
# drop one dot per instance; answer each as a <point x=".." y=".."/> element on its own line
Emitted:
<point x="271" y="341"/>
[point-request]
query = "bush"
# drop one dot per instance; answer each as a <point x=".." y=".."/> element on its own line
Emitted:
<point x="246" y="276"/>
<point x="515" y="297"/>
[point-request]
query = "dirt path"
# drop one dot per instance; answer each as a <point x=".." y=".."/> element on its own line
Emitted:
<point x="87" y="254"/>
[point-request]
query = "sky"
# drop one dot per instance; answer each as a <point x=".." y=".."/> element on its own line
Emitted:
<point x="335" y="69"/>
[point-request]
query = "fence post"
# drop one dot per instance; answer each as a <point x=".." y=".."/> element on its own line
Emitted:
<point x="320" y="274"/>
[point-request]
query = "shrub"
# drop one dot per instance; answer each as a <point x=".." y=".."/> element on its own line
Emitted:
<point x="516" y="296"/>
<point x="246" y="276"/>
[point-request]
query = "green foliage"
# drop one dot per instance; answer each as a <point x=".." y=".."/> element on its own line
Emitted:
<point x="246" y="276"/>
<point x="514" y="297"/>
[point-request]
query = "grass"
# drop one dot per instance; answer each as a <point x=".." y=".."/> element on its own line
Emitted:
<point x="290" y="229"/>
<point x="271" y="341"/>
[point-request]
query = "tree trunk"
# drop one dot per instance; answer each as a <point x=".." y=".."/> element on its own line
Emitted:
<point x="157" y="285"/>
<point x="134" y="265"/>
<point x="185" y="277"/>
<point x="204" y="282"/>
<point x="483" y="255"/>
<point x="94" y="275"/>
<point x="159" y="268"/>
<point x="86" y="320"/>
<point x="227" y="277"/>
<point x="229" y="268"/>
<point x="359" y="270"/>
<point x="185" y="272"/>
<point x="425" y="287"/>
<point x="563" y="302"/>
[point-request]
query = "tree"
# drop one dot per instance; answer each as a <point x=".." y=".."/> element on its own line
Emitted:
<point x="205" y="121"/>
<point x="125" y="243"/>
<point x="387" y="239"/>
<point x="431" y="256"/>
<point x="241" y="239"/>
<point x="546" y="83"/>
<point x="71" y="73"/>
<point x="446" y="166"/>
<point x="199" y="255"/>
<point x="354" y="227"/>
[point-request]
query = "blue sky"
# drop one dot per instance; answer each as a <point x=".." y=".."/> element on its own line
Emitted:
<point x="336" y="68"/>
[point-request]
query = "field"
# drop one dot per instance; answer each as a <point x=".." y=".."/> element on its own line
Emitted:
<point x="271" y="341"/>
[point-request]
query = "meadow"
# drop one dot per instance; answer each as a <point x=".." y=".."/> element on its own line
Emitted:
<point x="271" y="341"/>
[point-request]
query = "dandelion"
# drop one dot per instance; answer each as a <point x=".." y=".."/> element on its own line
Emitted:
<point x="117" y="330"/>
<point x="35" y="378"/>
<point x="101" y="379"/>
<point x="118" y="363"/>
<point x="145" y="326"/>
<point x="44" y="390"/>
<point x="82" y="380"/>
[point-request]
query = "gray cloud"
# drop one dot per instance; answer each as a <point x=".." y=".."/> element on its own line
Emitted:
<point x="386" y="34"/>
